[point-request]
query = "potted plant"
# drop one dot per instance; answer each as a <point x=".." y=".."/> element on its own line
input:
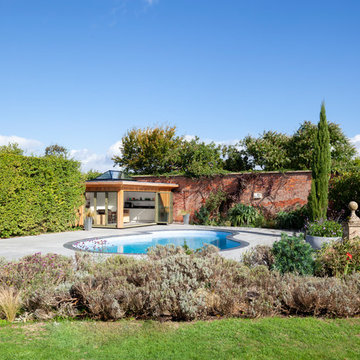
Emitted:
<point x="323" y="231"/>
<point x="88" y="220"/>
<point x="186" y="216"/>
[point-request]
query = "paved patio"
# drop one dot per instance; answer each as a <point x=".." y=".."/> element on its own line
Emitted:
<point x="18" y="247"/>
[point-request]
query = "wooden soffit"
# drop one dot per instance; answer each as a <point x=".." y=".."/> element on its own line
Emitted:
<point x="129" y="186"/>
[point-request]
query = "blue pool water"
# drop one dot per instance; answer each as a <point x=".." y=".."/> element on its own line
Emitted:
<point x="139" y="244"/>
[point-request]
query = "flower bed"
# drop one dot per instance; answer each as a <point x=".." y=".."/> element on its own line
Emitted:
<point x="170" y="284"/>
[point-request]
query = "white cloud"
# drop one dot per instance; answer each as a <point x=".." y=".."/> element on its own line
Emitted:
<point x="91" y="160"/>
<point x="88" y="158"/>
<point x="114" y="149"/>
<point x="356" y="141"/>
<point x="28" y="145"/>
<point x="189" y="137"/>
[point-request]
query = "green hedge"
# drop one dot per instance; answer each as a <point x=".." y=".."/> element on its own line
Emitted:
<point x="38" y="194"/>
<point x="344" y="188"/>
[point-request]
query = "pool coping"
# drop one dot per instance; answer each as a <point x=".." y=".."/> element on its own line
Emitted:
<point x="70" y="245"/>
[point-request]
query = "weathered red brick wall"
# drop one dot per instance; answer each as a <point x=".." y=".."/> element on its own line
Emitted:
<point x="279" y="191"/>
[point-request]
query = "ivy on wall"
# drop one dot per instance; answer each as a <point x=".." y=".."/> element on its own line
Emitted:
<point x="38" y="194"/>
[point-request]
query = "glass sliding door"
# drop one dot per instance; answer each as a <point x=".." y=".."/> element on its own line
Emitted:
<point x="104" y="207"/>
<point x="100" y="218"/>
<point x="163" y="207"/>
<point x="112" y="208"/>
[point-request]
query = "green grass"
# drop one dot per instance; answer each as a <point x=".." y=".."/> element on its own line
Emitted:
<point x="269" y="338"/>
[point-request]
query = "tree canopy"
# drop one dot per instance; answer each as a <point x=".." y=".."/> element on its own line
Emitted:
<point x="11" y="148"/>
<point x="160" y="150"/>
<point x="277" y="151"/>
<point x="148" y="151"/>
<point x="270" y="151"/>
<point x="56" y="150"/>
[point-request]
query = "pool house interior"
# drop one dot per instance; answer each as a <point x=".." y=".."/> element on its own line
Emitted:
<point x="115" y="200"/>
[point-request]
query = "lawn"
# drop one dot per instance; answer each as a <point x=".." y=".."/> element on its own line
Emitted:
<point x="268" y="338"/>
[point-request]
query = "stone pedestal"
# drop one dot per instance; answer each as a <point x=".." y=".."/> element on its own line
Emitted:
<point x="353" y="225"/>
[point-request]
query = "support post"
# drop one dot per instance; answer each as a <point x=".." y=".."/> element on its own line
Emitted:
<point x="120" y="206"/>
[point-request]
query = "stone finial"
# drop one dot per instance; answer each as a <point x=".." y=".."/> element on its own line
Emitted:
<point x="353" y="206"/>
<point x="353" y="225"/>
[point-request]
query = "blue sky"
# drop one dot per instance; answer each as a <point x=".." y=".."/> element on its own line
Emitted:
<point x="81" y="72"/>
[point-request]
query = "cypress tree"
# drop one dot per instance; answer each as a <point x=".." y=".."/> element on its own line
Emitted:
<point x="321" y="166"/>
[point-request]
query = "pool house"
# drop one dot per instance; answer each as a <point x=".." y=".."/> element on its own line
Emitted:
<point x="118" y="201"/>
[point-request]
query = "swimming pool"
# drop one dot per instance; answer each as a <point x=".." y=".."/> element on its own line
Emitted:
<point x="139" y="244"/>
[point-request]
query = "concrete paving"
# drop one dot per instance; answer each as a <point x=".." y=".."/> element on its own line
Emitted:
<point x="15" y="248"/>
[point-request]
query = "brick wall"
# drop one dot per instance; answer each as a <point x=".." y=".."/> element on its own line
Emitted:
<point x="279" y="191"/>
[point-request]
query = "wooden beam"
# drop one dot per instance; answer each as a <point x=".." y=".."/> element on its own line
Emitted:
<point x="120" y="206"/>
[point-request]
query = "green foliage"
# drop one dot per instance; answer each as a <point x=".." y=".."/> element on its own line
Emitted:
<point x="202" y="216"/>
<point x="245" y="215"/>
<point x="56" y="150"/>
<point x="209" y="213"/>
<point x="324" y="228"/>
<point x="338" y="258"/>
<point x="148" y="151"/>
<point x="92" y="174"/>
<point x="11" y="148"/>
<point x="301" y="147"/>
<point x="293" y="254"/>
<point x="344" y="188"/>
<point x="38" y="194"/>
<point x="195" y="158"/>
<point x="160" y="151"/>
<point x="269" y="151"/>
<point x="277" y="151"/>
<point x="235" y="159"/>
<point x="294" y="219"/>
<point x="321" y="164"/>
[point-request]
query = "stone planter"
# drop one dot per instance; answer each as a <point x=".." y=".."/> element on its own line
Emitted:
<point x="186" y="219"/>
<point x="317" y="241"/>
<point x="88" y="223"/>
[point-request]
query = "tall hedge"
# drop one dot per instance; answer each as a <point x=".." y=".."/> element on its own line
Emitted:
<point x="38" y="194"/>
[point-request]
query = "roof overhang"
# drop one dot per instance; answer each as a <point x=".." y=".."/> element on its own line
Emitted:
<point x="129" y="186"/>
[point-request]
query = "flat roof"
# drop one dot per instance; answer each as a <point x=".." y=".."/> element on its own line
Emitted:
<point x="127" y="185"/>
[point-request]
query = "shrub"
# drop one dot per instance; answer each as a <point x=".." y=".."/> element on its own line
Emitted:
<point x="38" y="194"/>
<point x="259" y="255"/>
<point x="245" y="215"/>
<point x="332" y="297"/>
<point x="293" y="254"/>
<point x="35" y="271"/>
<point x="209" y="213"/>
<point x="202" y="217"/>
<point x="172" y="285"/>
<point x="9" y="302"/>
<point x="339" y="258"/>
<point x="294" y="219"/>
<point x="325" y="228"/>
<point x="344" y="188"/>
